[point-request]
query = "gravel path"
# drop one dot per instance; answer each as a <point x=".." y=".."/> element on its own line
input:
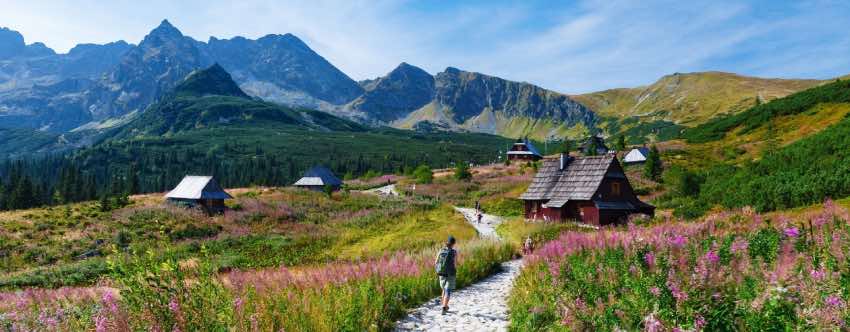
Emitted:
<point x="388" y="190"/>
<point x="479" y="307"/>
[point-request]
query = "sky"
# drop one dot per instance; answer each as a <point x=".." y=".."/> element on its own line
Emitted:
<point x="566" y="46"/>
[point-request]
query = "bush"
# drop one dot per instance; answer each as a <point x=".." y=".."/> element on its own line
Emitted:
<point x="423" y="174"/>
<point x="191" y="231"/>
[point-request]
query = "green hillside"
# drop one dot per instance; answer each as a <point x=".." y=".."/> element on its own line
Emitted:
<point x="660" y="111"/>
<point x="835" y="92"/>
<point x="786" y="153"/>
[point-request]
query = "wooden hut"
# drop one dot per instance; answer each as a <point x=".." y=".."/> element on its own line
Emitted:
<point x="592" y="190"/>
<point x="524" y="150"/>
<point x="317" y="178"/>
<point x="636" y="156"/>
<point x="199" y="191"/>
<point x="593" y="145"/>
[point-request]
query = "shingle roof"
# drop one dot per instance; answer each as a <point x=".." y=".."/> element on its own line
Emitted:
<point x="198" y="187"/>
<point x="578" y="181"/>
<point x="319" y="176"/>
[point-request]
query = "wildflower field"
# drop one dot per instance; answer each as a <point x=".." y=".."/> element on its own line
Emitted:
<point x="727" y="271"/>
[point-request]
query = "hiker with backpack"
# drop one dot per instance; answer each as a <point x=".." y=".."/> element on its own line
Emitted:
<point x="446" y="271"/>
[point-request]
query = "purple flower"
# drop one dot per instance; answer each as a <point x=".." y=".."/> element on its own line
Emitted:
<point x="792" y="232"/>
<point x="100" y="323"/>
<point x="174" y="306"/>
<point x="699" y="322"/>
<point x="655" y="291"/>
<point x="834" y="301"/>
<point x="649" y="258"/>
<point x="818" y="274"/>
<point x="678" y="241"/>
<point x="712" y="257"/>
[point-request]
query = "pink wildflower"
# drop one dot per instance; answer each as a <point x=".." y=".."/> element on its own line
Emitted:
<point x="174" y="306"/>
<point x="834" y="301"/>
<point x="818" y="274"/>
<point x="655" y="291"/>
<point x="678" y="241"/>
<point x="699" y="322"/>
<point x="712" y="257"/>
<point x="652" y="324"/>
<point x="792" y="232"/>
<point x="100" y="323"/>
<point x="649" y="258"/>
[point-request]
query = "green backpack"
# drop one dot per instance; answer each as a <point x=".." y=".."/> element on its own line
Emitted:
<point x="445" y="262"/>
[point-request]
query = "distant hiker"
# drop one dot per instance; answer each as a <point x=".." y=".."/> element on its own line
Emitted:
<point x="480" y="216"/>
<point x="445" y="266"/>
<point x="528" y="247"/>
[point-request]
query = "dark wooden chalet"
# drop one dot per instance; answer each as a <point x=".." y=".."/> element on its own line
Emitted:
<point x="592" y="190"/>
<point x="593" y="142"/>
<point x="524" y="150"/>
<point x="199" y="191"/>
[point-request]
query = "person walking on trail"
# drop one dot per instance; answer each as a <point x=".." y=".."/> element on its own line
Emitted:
<point x="480" y="216"/>
<point x="446" y="271"/>
<point x="528" y="247"/>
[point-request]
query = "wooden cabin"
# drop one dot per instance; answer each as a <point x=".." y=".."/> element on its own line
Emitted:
<point x="199" y="191"/>
<point x="317" y="178"/>
<point x="592" y="189"/>
<point x="636" y="156"/>
<point x="594" y="142"/>
<point x="524" y="150"/>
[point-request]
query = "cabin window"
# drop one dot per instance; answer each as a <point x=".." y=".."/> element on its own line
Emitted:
<point x="615" y="188"/>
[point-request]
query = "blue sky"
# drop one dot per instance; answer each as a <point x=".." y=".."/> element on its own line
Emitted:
<point x="568" y="46"/>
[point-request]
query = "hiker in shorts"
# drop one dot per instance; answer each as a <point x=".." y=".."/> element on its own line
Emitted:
<point x="446" y="271"/>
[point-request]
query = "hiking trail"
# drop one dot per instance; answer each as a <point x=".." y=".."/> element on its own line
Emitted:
<point x="481" y="306"/>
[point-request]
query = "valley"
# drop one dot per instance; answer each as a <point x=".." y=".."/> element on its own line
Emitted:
<point x="249" y="184"/>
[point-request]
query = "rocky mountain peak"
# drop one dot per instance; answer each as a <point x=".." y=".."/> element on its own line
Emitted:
<point x="11" y="43"/>
<point x="211" y="81"/>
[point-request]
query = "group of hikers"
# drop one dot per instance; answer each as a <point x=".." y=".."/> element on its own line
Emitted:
<point x="445" y="263"/>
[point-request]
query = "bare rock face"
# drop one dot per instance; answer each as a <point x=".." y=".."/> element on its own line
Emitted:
<point x="455" y="97"/>
<point x="404" y="90"/>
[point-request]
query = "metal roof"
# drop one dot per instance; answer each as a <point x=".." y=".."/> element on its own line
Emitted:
<point x="198" y="187"/>
<point x="579" y="179"/>
<point x="319" y="176"/>
<point x="530" y="148"/>
<point x="636" y="155"/>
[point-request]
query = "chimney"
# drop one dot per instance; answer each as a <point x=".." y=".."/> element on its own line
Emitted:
<point x="563" y="161"/>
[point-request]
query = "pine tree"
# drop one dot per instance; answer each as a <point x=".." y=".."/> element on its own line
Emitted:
<point x="621" y="143"/>
<point x="462" y="172"/>
<point x="652" y="168"/>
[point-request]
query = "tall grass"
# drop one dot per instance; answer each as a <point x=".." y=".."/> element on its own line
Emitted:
<point x="154" y="295"/>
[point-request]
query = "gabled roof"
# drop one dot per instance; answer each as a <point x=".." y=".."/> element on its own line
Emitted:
<point x="198" y="187"/>
<point x="528" y="145"/>
<point x="319" y="176"/>
<point x="637" y="154"/>
<point x="579" y="179"/>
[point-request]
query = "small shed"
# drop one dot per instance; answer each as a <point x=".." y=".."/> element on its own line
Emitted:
<point x="317" y="178"/>
<point x="199" y="191"/>
<point x="524" y="150"/>
<point x="596" y="142"/>
<point x="637" y="155"/>
<point x="592" y="189"/>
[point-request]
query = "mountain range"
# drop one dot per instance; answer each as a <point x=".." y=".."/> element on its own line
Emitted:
<point x="94" y="88"/>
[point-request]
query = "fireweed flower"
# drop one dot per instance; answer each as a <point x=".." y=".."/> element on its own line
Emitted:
<point x="678" y="241"/>
<point x="649" y="258"/>
<point x="655" y="291"/>
<point x="792" y="232"/>
<point x="834" y="301"/>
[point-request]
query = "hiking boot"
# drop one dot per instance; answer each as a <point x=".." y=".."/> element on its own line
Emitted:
<point x="445" y="310"/>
